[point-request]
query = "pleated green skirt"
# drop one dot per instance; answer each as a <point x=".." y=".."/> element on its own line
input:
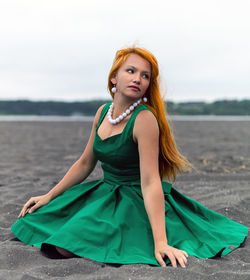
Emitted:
<point x="108" y="223"/>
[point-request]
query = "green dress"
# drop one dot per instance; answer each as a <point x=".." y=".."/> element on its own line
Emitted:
<point x="105" y="220"/>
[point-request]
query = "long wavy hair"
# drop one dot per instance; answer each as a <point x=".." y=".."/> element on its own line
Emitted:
<point x="171" y="161"/>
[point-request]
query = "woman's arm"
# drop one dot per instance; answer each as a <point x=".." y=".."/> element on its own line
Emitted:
<point x="146" y="134"/>
<point x="75" y="175"/>
<point x="81" y="169"/>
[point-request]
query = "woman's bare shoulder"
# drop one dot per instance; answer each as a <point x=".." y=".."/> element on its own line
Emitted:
<point x="98" y="113"/>
<point x="145" y="117"/>
<point x="145" y="123"/>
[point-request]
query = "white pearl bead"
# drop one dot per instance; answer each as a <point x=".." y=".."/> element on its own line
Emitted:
<point x="124" y="115"/>
<point x="135" y="104"/>
<point x="131" y="108"/>
<point x="127" y="111"/>
<point x="120" y="118"/>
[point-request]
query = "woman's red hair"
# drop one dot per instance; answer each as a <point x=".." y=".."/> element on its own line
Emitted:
<point x="171" y="161"/>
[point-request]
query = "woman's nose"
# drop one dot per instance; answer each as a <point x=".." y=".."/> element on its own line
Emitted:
<point x="137" y="79"/>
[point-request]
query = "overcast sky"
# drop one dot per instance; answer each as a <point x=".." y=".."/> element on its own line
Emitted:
<point x="63" y="50"/>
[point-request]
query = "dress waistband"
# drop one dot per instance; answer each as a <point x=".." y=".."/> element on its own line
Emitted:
<point x="122" y="179"/>
<point x="118" y="181"/>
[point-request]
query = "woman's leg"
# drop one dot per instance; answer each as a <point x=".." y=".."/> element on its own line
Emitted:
<point x="65" y="252"/>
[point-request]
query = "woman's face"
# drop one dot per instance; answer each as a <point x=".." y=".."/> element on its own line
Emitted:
<point x="133" y="77"/>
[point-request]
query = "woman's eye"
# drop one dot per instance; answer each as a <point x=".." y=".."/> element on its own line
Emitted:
<point x="145" y="76"/>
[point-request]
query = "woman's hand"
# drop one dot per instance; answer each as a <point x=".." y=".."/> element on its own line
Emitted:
<point x="163" y="249"/>
<point x="34" y="203"/>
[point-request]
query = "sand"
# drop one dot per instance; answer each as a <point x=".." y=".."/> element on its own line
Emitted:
<point x="36" y="155"/>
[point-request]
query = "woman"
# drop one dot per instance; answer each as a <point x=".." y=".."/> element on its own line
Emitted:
<point x="132" y="215"/>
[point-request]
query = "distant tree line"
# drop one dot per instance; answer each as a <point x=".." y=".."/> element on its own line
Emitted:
<point x="222" y="107"/>
<point x="26" y="107"/>
<point x="88" y="108"/>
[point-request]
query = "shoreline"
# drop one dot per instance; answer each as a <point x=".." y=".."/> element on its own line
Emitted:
<point x="50" y="118"/>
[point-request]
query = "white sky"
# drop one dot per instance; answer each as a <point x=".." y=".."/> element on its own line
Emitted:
<point x="63" y="49"/>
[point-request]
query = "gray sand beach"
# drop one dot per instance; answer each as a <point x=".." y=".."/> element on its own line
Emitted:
<point x="36" y="155"/>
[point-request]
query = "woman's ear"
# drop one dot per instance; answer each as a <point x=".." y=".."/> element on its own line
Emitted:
<point x="113" y="81"/>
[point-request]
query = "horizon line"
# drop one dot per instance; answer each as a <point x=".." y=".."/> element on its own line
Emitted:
<point x="102" y="99"/>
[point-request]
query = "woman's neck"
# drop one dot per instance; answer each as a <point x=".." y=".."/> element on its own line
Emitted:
<point x="121" y="104"/>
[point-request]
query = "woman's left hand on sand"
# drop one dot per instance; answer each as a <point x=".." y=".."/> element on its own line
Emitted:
<point x="174" y="255"/>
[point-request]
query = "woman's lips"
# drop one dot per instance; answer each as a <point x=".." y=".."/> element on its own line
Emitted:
<point x="133" y="87"/>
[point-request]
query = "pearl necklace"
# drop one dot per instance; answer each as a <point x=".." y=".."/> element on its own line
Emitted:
<point x="123" y="115"/>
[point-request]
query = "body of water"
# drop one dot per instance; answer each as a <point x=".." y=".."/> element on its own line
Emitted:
<point x="31" y="118"/>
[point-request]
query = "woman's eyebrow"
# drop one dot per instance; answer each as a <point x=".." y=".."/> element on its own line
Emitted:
<point x="136" y="69"/>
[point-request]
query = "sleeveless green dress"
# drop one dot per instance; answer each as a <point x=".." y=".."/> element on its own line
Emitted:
<point x="105" y="220"/>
